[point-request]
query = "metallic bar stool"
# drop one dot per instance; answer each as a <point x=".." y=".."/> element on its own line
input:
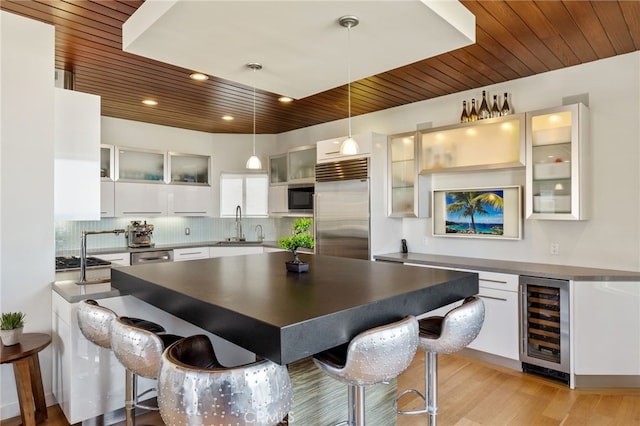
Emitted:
<point x="95" y="321"/>
<point x="139" y="351"/>
<point x="194" y="389"/>
<point x="373" y="356"/>
<point x="446" y="335"/>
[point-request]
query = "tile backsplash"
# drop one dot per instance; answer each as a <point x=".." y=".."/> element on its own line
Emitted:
<point x="167" y="230"/>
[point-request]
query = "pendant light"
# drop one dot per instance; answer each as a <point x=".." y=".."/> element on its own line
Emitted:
<point x="349" y="146"/>
<point x="254" y="162"/>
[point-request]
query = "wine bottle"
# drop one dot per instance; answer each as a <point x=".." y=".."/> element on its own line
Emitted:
<point x="465" y="116"/>
<point x="506" y="109"/>
<point x="473" y="114"/>
<point x="484" y="107"/>
<point x="495" y="109"/>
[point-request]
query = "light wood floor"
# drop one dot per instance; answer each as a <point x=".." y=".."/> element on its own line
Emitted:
<point x="472" y="392"/>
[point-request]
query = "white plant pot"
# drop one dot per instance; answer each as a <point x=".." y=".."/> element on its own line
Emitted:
<point x="11" y="337"/>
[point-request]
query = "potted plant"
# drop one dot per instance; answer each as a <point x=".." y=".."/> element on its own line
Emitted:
<point x="300" y="238"/>
<point x="11" y="327"/>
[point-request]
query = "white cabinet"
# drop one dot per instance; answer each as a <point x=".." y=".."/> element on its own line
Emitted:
<point x="107" y="198"/>
<point x="500" y="331"/>
<point x="606" y="328"/>
<point x="558" y="155"/>
<point x="140" y="199"/>
<point x="116" y="259"/>
<point x="76" y="156"/>
<point x="191" y="253"/>
<point x="190" y="200"/>
<point x="233" y="251"/>
<point x="329" y="150"/>
<point x="278" y="199"/>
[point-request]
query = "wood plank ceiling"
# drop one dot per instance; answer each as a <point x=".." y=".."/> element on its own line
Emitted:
<point x="514" y="39"/>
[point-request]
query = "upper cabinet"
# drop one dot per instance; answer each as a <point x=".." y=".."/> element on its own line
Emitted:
<point x="302" y="164"/>
<point x="480" y="145"/>
<point x="403" y="171"/>
<point x="189" y="169"/>
<point x="76" y="155"/>
<point x="298" y="165"/>
<point x="329" y="150"/>
<point x="107" y="174"/>
<point x="557" y="149"/>
<point x="138" y="165"/>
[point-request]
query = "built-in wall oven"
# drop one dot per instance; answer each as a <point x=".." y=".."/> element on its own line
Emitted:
<point x="544" y="328"/>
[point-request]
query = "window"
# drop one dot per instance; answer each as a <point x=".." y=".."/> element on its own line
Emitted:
<point x="249" y="191"/>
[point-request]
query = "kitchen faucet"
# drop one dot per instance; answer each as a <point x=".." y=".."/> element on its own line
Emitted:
<point x="83" y="255"/>
<point x="259" y="235"/>
<point x="239" y="236"/>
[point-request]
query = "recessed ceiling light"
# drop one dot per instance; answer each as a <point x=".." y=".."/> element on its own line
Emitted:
<point x="150" y="102"/>
<point x="285" y="99"/>
<point x="227" y="117"/>
<point x="198" y="76"/>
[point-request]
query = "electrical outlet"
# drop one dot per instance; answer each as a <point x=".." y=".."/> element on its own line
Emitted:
<point x="555" y="249"/>
<point x="187" y="231"/>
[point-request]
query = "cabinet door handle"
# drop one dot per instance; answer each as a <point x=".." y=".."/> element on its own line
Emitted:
<point x="493" y="298"/>
<point x="179" y="212"/>
<point x="141" y="212"/>
<point x="332" y="153"/>
<point x="492" y="281"/>
<point x="190" y="253"/>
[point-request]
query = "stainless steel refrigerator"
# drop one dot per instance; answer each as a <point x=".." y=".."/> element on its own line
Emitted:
<point x="342" y="209"/>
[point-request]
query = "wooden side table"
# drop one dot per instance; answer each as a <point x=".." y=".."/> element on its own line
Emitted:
<point x="26" y="368"/>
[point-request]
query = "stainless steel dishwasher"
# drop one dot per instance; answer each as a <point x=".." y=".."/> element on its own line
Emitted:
<point x="151" y="256"/>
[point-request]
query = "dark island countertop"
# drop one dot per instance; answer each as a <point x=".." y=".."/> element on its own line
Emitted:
<point x="561" y="272"/>
<point x="255" y="303"/>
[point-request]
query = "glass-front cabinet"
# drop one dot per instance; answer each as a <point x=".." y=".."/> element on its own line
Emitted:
<point x="278" y="169"/>
<point x="480" y="145"/>
<point x="136" y="165"/>
<point x="557" y="144"/>
<point x="302" y="164"/>
<point x="402" y="175"/>
<point x="190" y="169"/>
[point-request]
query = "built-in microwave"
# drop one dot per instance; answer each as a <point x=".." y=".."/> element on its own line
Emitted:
<point x="301" y="198"/>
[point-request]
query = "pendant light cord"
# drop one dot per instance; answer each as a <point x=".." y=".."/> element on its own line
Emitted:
<point x="254" y="111"/>
<point x="349" y="75"/>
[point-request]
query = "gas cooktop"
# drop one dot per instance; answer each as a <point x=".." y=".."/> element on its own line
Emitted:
<point x="73" y="262"/>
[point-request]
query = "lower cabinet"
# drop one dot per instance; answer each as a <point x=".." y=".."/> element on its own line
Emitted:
<point x="233" y="251"/>
<point x="500" y="333"/>
<point x="191" y="253"/>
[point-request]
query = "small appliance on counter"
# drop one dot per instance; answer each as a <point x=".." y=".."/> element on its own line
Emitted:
<point x="139" y="234"/>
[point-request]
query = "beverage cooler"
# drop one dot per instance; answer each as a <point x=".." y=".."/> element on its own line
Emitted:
<point x="544" y="328"/>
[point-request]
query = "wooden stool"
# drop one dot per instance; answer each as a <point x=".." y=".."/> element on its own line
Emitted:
<point x="26" y="367"/>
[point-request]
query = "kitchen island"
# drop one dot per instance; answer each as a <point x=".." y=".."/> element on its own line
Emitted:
<point x="254" y="302"/>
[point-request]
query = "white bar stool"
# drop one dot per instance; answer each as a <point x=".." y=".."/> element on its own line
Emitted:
<point x="373" y="356"/>
<point x="448" y="334"/>
<point x="139" y="351"/>
<point x="195" y="389"/>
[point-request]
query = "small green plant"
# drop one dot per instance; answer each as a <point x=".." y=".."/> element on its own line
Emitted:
<point x="11" y="320"/>
<point x="300" y="238"/>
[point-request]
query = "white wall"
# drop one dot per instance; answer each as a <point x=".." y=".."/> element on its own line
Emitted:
<point x="611" y="238"/>
<point x="26" y="184"/>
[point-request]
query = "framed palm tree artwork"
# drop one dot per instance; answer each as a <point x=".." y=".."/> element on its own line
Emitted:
<point x="478" y="212"/>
